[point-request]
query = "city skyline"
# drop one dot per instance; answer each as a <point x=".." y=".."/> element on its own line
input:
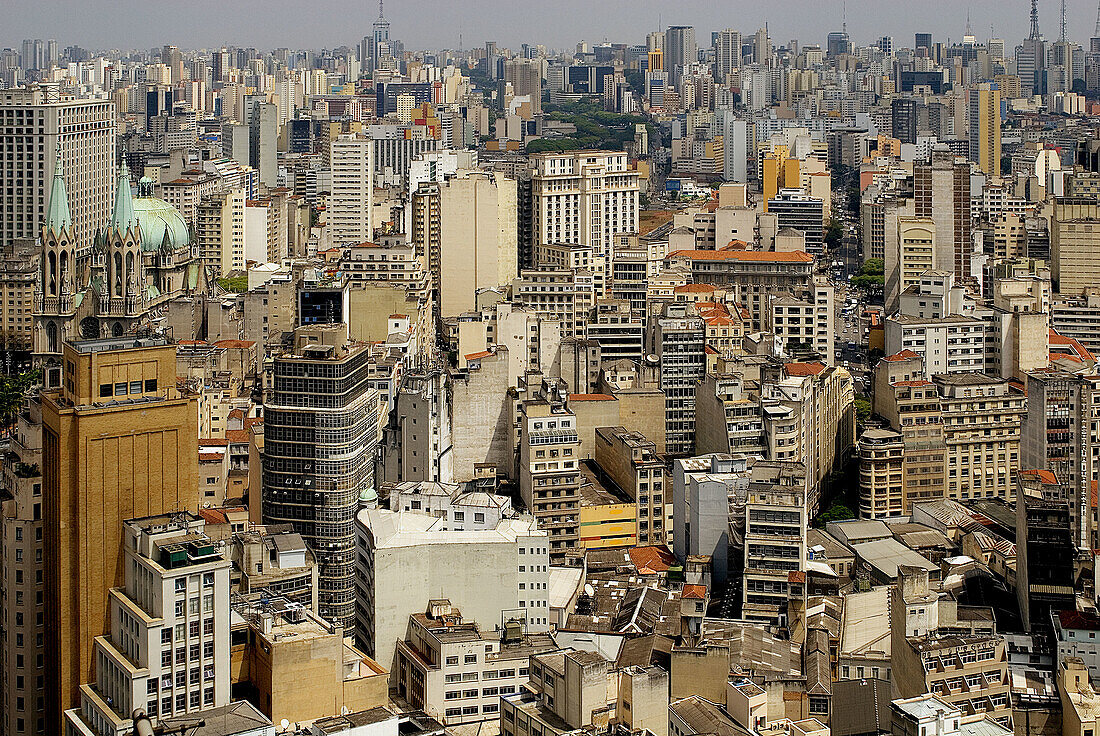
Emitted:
<point x="560" y="25"/>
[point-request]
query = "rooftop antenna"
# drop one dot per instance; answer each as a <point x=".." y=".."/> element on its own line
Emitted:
<point x="844" y="17"/>
<point x="1062" y="36"/>
<point x="1097" y="31"/>
<point x="380" y="16"/>
<point x="1034" y="20"/>
<point x="968" y="22"/>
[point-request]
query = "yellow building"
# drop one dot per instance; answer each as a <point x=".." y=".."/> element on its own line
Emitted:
<point x="608" y="525"/>
<point x="778" y="171"/>
<point x="985" y="127"/>
<point x="119" y="442"/>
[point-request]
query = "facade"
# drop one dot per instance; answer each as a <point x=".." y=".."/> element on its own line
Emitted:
<point x="351" y="201"/>
<point x="953" y="344"/>
<point x="121" y="438"/>
<point x="219" y="230"/>
<point x="457" y="672"/>
<point x="584" y="198"/>
<point x="985" y="127"/>
<point x="407" y="558"/>
<point x="549" y="471"/>
<point x="167" y="652"/>
<point x="942" y="192"/>
<point x="632" y="463"/>
<point x="47" y="121"/>
<point x="774" y="545"/>
<point x="677" y="337"/>
<point x="321" y="400"/>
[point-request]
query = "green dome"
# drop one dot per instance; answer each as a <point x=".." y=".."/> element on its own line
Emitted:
<point x="154" y="216"/>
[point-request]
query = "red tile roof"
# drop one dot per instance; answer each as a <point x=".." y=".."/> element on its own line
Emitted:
<point x="696" y="288"/>
<point x="591" y="397"/>
<point x="1044" y="476"/>
<point x="903" y="355"/>
<point x="658" y="559"/>
<point x="235" y="344"/>
<point x="694" y="592"/>
<point x="803" y="369"/>
<point x="478" y="356"/>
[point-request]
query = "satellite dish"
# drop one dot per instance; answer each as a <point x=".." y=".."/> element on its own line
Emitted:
<point x="284" y="724"/>
<point x="589" y="590"/>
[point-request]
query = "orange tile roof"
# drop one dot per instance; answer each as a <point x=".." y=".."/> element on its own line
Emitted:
<point x="735" y="245"/>
<point x="591" y="397"/>
<point x="210" y="457"/>
<point x="1068" y="342"/>
<point x="236" y="435"/>
<point x="803" y="369"/>
<point x="235" y="344"/>
<point x="694" y="288"/>
<point x="478" y="356"/>
<point x="912" y="384"/>
<point x="1044" y="476"/>
<point x="694" y="592"/>
<point x="213" y="442"/>
<point x="795" y="256"/>
<point x="658" y="559"/>
<point x="903" y="355"/>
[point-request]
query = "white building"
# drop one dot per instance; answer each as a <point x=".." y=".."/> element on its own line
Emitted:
<point x="405" y="558"/>
<point x="351" y="200"/>
<point x="952" y="344"/>
<point x="168" y="650"/>
<point x="586" y="198"/>
<point x="460" y="511"/>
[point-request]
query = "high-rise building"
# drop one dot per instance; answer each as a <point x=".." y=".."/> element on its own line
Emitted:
<point x="727" y="52"/>
<point x="320" y="436"/>
<point x="837" y="44"/>
<point x="584" y="198"/>
<point x="119" y="441"/>
<point x="677" y="338"/>
<point x="904" y="118"/>
<point x="466" y="229"/>
<point x="985" y="127"/>
<point x="167" y="649"/>
<point x="351" y="201"/>
<point x="941" y="191"/>
<point x="40" y="118"/>
<point x="263" y="139"/>
<point x="22" y="677"/>
<point x="680" y="49"/>
<point x="526" y="78"/>
<point x="1031" y="58"/>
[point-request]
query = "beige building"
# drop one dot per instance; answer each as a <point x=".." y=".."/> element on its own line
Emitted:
<point x="566" y="690"/>
<point x="18" y="278"/>
<point x="587" y="198"/>
<point x="1074" y="258"/>
<point x="119" y="442"/>
<point x="1080" y="701"/>
<point x="456" y="671"/>
<point x="351" y="201"/>
<point x="278" y="646"/>
<point x="916" y="243"/>
<point x="982" y="419"/>
<point x="881" y="466"/>
<point x="219" y="230"/>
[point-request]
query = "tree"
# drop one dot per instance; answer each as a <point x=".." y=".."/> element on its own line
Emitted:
<point x="12" y="391"/>
<point x="836" y="512"/>
<point x="863" y="409"/>
<point x="834" y="235"/>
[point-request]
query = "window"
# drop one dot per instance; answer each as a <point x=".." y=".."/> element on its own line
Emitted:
<point x="471" y="659"/>
<point x="104" y="390"/>
<point x="452" y="660"/>
<point x="135" y="387"/>
<point x="150" y="385"/>
<point x="120" y="388"/>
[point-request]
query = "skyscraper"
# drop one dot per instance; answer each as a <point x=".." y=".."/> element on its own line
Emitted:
<point x="727" y="52"/>
<point x="985" y="127"/>
<point x="320" y="437"/>
<point x="941" y="191"/>
<point x="39" y="117"/>
<point x="680" y="49"/>
<point x="119" y="441"/>
<point x="1031" y="60"/>
<point x="352" y="199"/>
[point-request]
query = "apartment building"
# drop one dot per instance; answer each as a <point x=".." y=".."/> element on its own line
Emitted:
<point x="351" y="202"/>
<point x="881" y="465"/>
<point x="566" y="690"/>
<point x="728" y="415"/>
<point x="559" y="294"/>
<point x="406" y="558"/>
<point x="804" y="325"/>
<point x="456" y="671"/>
<point x="549" y="474"/>
<point x="951" y="344"/>
<point x="749" y="276"/>
<point x="677" y="337"/>
<point x="219" y="230"/>
<point x="631" y="462"/>
<point x="167" y="652"/>
<point x="774" y="548"/>
<point x="19" y="269"/>
<point x="585" y="198"/>
<point x="981" y="420"/>
<point x="389" y="261"/>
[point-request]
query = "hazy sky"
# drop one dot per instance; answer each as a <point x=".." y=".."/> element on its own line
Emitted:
<point x="420" y="24"/>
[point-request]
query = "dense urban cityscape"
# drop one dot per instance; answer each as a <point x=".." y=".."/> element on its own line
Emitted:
<point x="700" y="383"/>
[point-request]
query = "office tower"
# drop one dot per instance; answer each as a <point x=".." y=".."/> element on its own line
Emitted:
<point x="41" y="117"/>
<point x="837" y="44"/>
<point x="526" y="78"/>
<point x="677" y="336"/>
<point x="26" y="58"/>
<point x="1074" y="258"/>
<point x="320" y="436"/>
<point x="166" y="651"/>
<point x="904" y="118"/>
<point x="735" y="145"/>
<point x="52" y="58"/>
<point x="119" y="442"/>
<point x="219" y="67"/>
<point x="771" y="522"/>
<point x="886" y="45"/>
<point x="351" y="202"/>
<point x="762" y="47"/>
<point x="466" y="229"/>
<point x="985" y="127"/>
<point x="923" y="41"/>
<point x="584" y="198"/>
<point x="263" y="139"/>
<point x="1045" y="548"/>
<point x="941" y="190"/>
<point x="171" y="57"/>
<point x="727" y="53"/>
<point x="679" y="50"/>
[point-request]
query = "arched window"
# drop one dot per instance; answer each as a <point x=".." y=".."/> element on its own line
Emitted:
<point x="51" y="336"/>
<point x="117" y="291"/>
<point x="131" y="277"/>
<point x="51" y="273"/>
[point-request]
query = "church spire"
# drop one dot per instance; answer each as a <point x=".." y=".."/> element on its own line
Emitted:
<point x="123" y="217"/>
<point x="58" y="217"/>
